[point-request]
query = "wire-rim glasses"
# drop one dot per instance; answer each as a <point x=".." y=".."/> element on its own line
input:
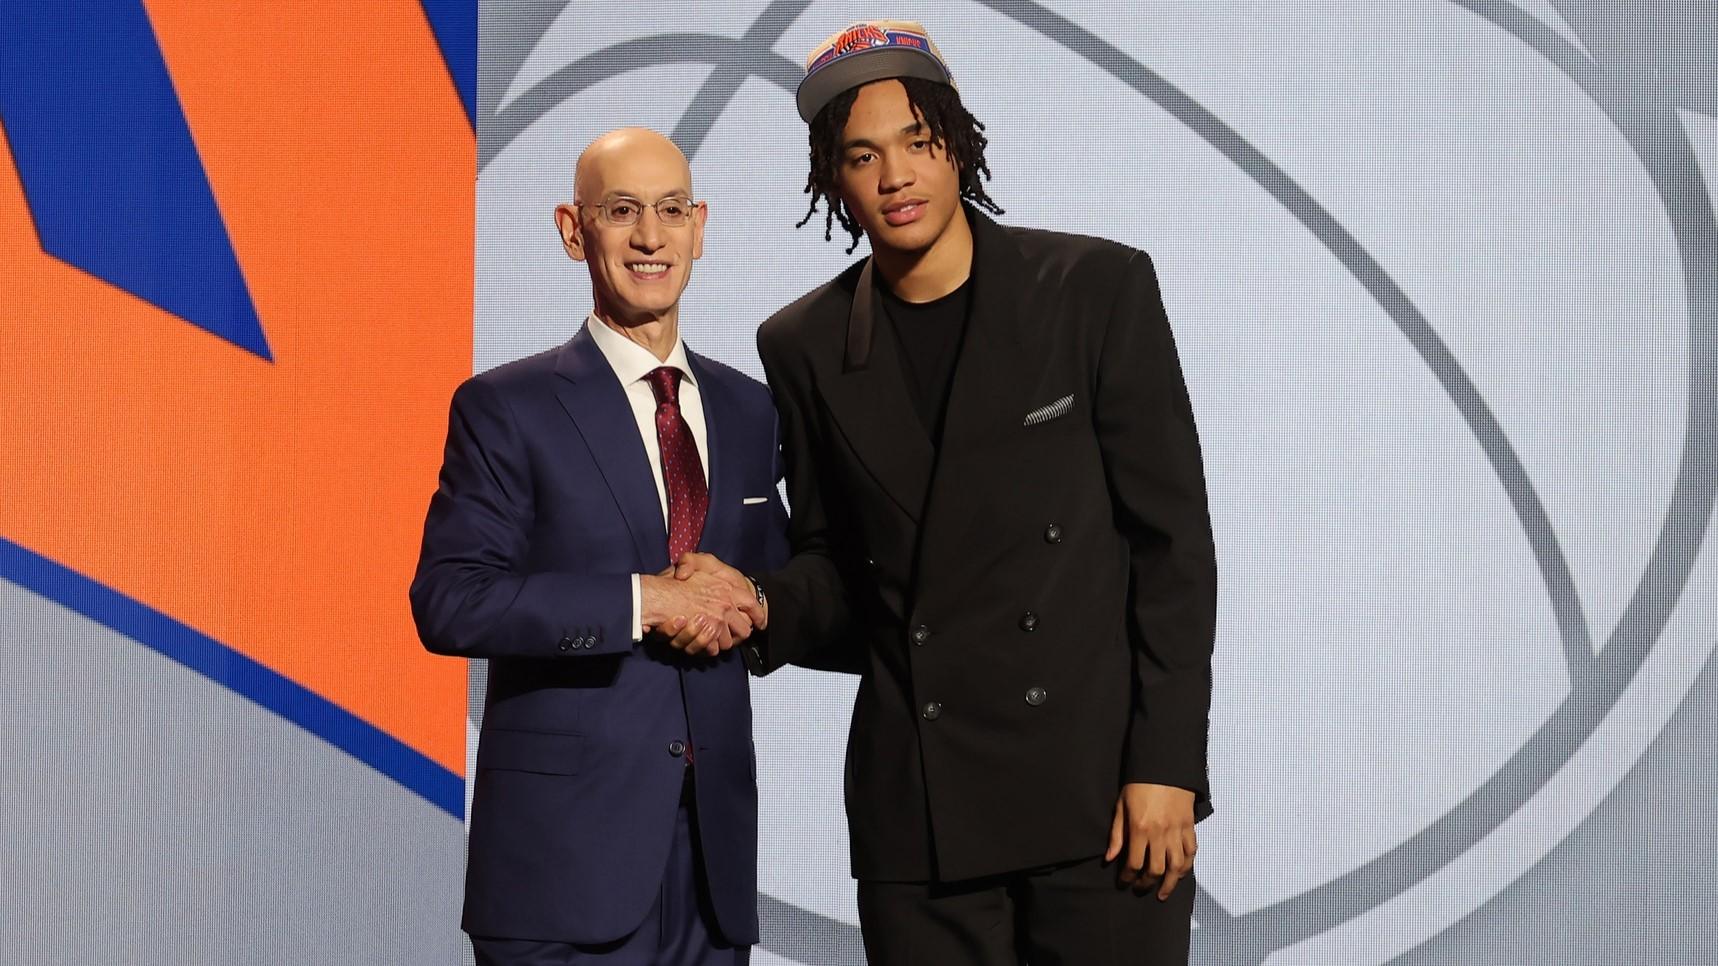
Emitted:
<point x="623" y="212"/>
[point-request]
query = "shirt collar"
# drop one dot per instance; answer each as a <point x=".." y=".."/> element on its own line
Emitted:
<point x="631" y="361"/>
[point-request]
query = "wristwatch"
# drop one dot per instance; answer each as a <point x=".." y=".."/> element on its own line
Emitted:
<point x="755" y="643"/>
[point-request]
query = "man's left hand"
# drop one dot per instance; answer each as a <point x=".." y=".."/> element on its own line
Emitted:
<point x="1154" y="826"/>
<point x="745" y="595"/>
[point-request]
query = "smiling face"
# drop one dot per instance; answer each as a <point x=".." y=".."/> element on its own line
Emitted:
<point x="901" y="188"/>
<point x="638" y="271"/>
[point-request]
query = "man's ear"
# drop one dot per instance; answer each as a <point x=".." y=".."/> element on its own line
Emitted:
<point x="572" y="236"/>
<point x="700" y="214"/>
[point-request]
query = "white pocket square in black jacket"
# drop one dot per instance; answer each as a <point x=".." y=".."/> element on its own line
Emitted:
<point x="1055" y="410"/>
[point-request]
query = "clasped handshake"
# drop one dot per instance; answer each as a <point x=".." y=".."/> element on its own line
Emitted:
<point x="700" y="605"/>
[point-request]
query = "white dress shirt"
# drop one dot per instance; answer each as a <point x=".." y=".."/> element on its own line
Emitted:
<point x="632" y="364"/>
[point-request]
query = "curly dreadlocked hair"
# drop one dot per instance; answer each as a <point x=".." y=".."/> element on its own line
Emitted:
<point x="952" y="128"/>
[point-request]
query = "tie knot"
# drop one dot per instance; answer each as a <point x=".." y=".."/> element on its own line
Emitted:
<point x="665" y="382"/>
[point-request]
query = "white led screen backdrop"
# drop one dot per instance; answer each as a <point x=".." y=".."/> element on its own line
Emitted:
<point x="1445" y="280"/>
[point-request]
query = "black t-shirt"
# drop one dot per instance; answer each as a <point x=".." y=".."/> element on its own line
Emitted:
<point x="929" y="334"/>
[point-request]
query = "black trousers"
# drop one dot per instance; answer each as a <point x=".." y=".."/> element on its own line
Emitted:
<point x="1066" y="915"/>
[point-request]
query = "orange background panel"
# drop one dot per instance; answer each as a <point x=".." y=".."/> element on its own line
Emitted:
<point x="276" y="507"/>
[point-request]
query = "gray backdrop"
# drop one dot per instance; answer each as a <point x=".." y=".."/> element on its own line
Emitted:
<point x="1445" y="279"/>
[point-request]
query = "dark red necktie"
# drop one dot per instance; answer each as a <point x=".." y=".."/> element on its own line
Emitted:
<point x="682" y="470"/>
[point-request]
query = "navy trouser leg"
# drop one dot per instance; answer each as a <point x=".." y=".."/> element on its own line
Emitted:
<point x="689" y="933"/>
<point x="679" y="930"/>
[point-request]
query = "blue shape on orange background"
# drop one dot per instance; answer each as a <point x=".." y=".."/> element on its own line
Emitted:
<point x="112" y="177"/>
<point x="455" y="25"/>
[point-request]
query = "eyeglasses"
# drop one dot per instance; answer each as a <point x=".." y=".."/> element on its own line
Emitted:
<point x="621" y="212"/>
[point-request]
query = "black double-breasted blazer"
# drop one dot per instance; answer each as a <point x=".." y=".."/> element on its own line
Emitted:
<point x="1031" y="605"/>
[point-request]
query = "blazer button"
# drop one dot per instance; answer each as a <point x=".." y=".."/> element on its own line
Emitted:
<point x="933" y="710"/>
<point x="1029" y="622"/>
<point x="567" y="644"/>
<point x="677" y="747"/>
<point x="921" y="634"/>
<point x="1052" y="534"/>
<point x="1036" y="696"/>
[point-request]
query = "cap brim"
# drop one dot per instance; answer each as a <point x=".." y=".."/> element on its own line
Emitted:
<point x="853" y="70"/>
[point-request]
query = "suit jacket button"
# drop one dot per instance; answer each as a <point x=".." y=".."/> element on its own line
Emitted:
<point x="1052" y="534"/>
<point x="921" y="634"/>
<point x="933" y="710"/>
<point x="1036" y="696"/>
<point x="1028" y="622"/>
<point x="677" y="747"/>
<point x="567" y="643"/>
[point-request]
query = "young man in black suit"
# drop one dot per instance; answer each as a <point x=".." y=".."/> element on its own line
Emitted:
<point x="999" y="512"/>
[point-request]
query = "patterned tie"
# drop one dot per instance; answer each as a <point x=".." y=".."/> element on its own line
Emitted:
<point x="682" y="471"/>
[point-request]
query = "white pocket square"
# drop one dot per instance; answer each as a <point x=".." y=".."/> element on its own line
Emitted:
<point x="1044" y="414"/>
<point x="750" y="500"/>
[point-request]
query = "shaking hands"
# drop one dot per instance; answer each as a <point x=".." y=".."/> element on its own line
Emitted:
<point x="701" y="605"/>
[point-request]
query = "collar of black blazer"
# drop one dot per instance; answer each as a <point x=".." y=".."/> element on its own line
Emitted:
<point x="998" y="271"/>
<point x="998" y="369"/>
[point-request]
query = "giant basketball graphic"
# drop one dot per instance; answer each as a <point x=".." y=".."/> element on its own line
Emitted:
<point x="1443" y="276"/>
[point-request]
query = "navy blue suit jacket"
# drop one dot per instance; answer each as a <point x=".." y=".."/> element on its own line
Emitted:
<point x="546" y="507"/>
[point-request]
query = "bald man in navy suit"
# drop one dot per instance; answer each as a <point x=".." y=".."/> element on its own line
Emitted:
<point x="614" y="819"/>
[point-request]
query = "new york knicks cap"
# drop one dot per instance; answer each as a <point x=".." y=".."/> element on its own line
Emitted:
<point x="864" y="52"/>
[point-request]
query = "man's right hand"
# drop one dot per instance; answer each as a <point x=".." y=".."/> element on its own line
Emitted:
<point x="700" y="614"/>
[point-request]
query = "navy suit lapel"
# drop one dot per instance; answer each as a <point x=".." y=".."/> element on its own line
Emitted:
<point x="723" y="436"/>
<point x="597" y="404"/>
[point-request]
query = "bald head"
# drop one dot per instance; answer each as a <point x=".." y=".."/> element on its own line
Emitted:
<point x="610" y="163"/>
<point x="639" y="252"/>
